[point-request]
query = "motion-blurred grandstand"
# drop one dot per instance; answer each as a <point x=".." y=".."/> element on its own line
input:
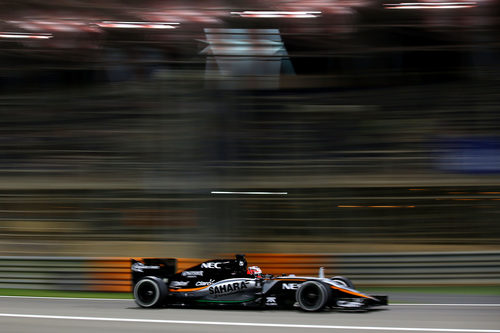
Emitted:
<point x="121" y="122"/>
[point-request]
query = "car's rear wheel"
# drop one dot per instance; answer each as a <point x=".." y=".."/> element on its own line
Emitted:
<point x="150" y="292"/>
<point x="312" y="296"/>
<point x="343" y="281"/>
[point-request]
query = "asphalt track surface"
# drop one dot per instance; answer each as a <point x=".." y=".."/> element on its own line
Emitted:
<point x="422" y="313"/>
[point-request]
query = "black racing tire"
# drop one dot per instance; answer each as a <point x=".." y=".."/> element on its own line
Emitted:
<point x="150" y="292"/>
<point x="312" y="296"/>
<point x="343" y="281"/>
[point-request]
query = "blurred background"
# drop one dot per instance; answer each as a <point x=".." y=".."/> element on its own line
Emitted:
<point x="194" y="128"/>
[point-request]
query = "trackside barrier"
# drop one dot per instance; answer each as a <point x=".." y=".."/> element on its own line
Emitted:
<point x="70" y="273"/>
<point x="113" y="274"/>
<point x="441" y="268"/>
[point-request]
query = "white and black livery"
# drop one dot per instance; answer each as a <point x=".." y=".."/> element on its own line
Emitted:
<point x="229" y="282"/>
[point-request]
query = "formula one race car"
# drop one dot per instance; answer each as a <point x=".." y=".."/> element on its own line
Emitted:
<point x="229" y="282"/>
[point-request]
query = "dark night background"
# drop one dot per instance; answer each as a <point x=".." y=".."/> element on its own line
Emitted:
<point x="381" y="124"/>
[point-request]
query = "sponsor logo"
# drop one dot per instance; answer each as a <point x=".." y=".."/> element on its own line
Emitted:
<point x="179" y="283"/>
<point x="213" y="265"/>
<point x="271" y="301"/>
<point x="228" y="288"/>
<point x="204" y="283"/>
<point x="290" y="286"/>
<point x="192" y="273"/>
<point x="140" y="267"/>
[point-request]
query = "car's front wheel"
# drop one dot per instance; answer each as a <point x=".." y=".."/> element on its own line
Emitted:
<point x="312" y="296"/>
<point x="150" y="292"/>
<point x="343" y="281"/>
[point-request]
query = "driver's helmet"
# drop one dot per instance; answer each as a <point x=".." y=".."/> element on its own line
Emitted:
<point x="254" y="271"/>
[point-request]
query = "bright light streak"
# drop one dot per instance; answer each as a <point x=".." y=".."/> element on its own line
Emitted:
<point x="250" y="193"/>
<point x="277" y="14"/>
<point x="379" y="206"/>
<point x="431" y="5"/>
<point x="138" y="25"/>
<point x="21" y="35"/>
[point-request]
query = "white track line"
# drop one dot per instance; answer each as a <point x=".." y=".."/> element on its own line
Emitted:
<point x="224" y="323"/>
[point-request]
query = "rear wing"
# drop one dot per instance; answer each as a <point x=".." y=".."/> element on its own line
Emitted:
<point x="162" y="268"/>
